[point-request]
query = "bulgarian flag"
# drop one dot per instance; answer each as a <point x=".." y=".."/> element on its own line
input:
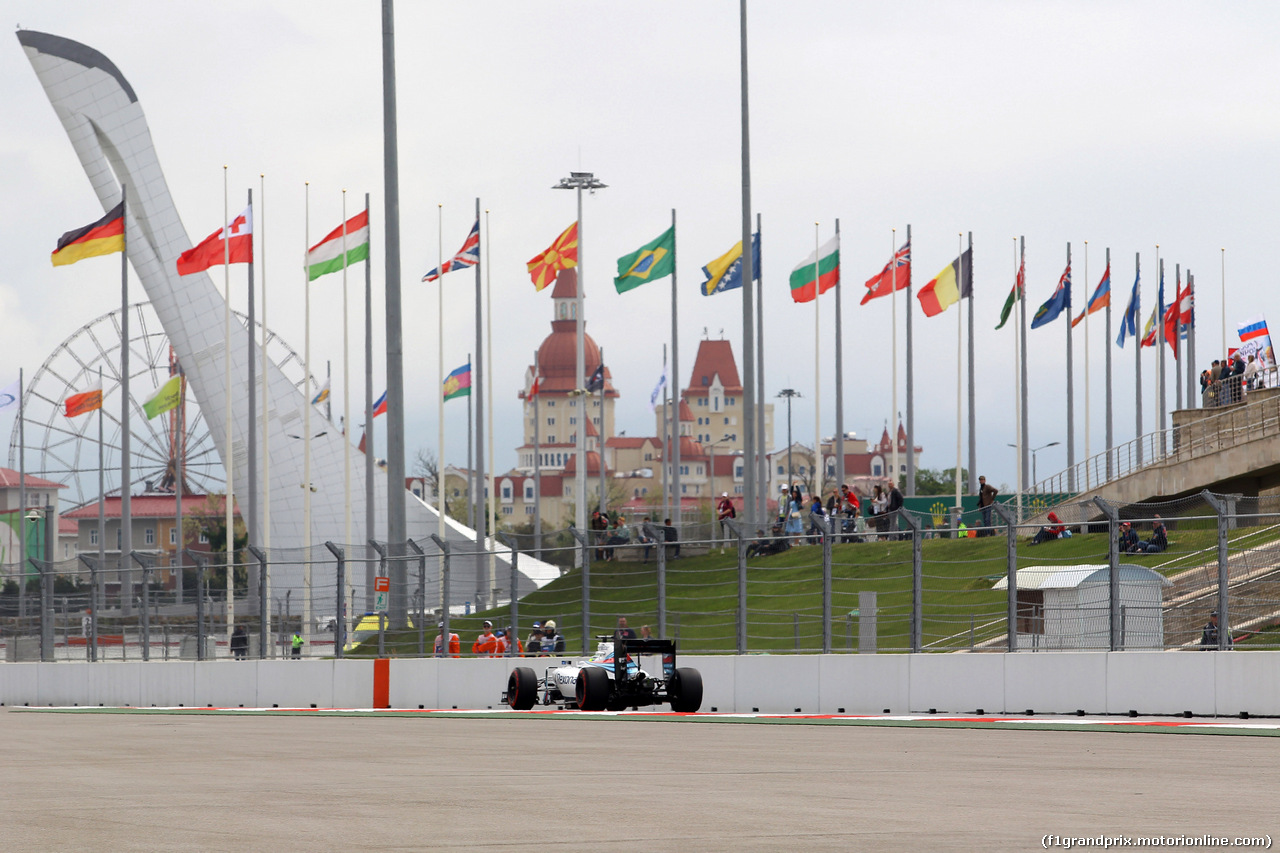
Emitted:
<point x="817" y="273"/>
<point x="235" y="242"/>
<point x="85" y="401"/>
<point x="334" y="252"/>
<point x="165" y="399"/>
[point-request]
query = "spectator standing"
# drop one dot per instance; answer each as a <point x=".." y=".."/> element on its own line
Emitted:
<point x="600" y="527"/>
<point x="1251" y="373"/>
<point x="1209" y="637"/>
<point x="296" y="644"/>
<point x="623" y="632"/>
<point x="986" y="500"/>
<point x="486" y="645"/>
<point x="724" y="512"/>
<point x="534" y="643"/>
<point x="671" y="535"/>
<point x="504" y="642"/>
<point x="240" y="642"/>
<point x="643" y="537"/>
<point x="455" y="645"/>
<point x="646" y="633"/>
<point x="794" y="525"/>
<point x="893" y="504"/>
<point x="815" y="527"/>
<point x="552" y="642"/>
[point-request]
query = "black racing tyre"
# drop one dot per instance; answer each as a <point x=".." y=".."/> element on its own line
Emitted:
<point x="685" y="690"/>
<point x="592" y="689"/>
<point x="522" y="688"/>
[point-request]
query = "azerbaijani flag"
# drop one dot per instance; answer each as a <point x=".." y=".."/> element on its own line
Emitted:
<point x="817" y="273"/>
<point x="85" y="401"/>
<point x="327" y="255"/>
<point x="1101" y="298"/>
<point x="562" y="254"/>
<point x="98" y="238"/>
<point x="942" y="292"/>
<point x="233" y="244"/>
<point x="458" y="383"/>
<point x="165" y="399"/>
<point x="380" y="407"/>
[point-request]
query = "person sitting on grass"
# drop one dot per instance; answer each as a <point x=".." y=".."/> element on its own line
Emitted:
<point x="1053" y="530"/>
<point x="1159" y="540"/>
<point x="1127" y="542"/>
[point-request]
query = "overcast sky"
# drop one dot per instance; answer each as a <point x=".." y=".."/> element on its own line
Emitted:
<point x="1121" y="124"/>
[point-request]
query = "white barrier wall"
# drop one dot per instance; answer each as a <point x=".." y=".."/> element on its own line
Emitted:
<point x="1205" y="683"/>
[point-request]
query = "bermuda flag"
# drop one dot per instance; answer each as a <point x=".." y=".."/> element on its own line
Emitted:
<point x="85" y="401"/>
<point x="817" y="273"/>
<point x="334" y="251"/>
<point x="233" y="243"/>
<point x="896" y="275"/>
<point x="380" y="407"/>
<point x="1101" y="298"/>
<point x="468" y="255"/>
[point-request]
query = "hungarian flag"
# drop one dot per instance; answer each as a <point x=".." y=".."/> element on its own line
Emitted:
<point x="458" y="383"/>
<point x="99" y="238"/>
<point x="334" y="252"/>
<point x="468" y="255"/>
<point x="897" y="271"/>
<point x="165" y="399"/>
<point x="817" y="273"/>
<point x="943" y="291"/>
<point x="85" y="401"/>
<point x="212" y="251"/>
<point x="1101" y="298"/>
<point x="380" y="407"/>
<point x="1055" y="304"/>
<point x="562" y="254"/>
<point x="1019" y="289"/>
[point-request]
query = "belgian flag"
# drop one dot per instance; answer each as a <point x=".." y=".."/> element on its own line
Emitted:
<point x="103" y="237"/>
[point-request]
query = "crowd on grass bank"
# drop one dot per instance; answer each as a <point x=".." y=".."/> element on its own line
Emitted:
<point x="544" y="640"/>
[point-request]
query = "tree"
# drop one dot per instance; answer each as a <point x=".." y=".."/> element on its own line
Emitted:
<point x="426" y="467"/>
<point x="934" y="482"/>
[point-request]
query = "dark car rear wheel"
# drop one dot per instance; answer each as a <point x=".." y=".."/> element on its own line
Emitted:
<point x="592" y="689"/>
<point x="685" y="690"/>
<point x="522" y="688"/>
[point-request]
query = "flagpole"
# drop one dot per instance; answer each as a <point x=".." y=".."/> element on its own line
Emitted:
<point x="893" y="297"/>
<point x="537" y="467"/>
<point x="839" y="448"/>
<point x="604" y="497"/>
<point x="477" y="392"/>
<point x="1177" y="337"/>
<point x="1110" y="434"/>
<point x="179" y="436"/>
<point x="265" y="536"/>
<point x="1137" y="354"/>
<point x="1071" y="401"/>
<point x="1022" y="315"/>
<point x="911" y="408"/>
<point x="251" y="523"/>
<point x="346" y="387"/>
<point x="440" y="490"/>
<point x="369" y="456"/>
<point x="102" y="517"/>
<point x="472" y="486"/>
<point x="959" y="373"/>
<point x="489" y="498"/>
<point x="126" y="432"/>
<point x="666" y="444"/>
<point x="675" y="361"/>
<point x="1192" y="401"/>
<point x="1017" y="389"/>
<point x="973" y="428"/>
<point x="1224" y="302"/>
<point x="750" y="440"/>
<point x="580" y="392"/>
<point x="819" y="465"/>
<point x="1087" y="284"/>
<point x="306" y="429"/>
<point x="229" y="508"/>
<point x="762" y="474"/>
<point x="22" y="491"/>
<point x="1159" y="344"/>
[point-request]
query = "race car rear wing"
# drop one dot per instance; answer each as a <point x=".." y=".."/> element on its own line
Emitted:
<point x="623" y="647"/>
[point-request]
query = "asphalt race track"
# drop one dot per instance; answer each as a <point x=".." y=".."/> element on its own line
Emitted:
<point x="344" y="781"/>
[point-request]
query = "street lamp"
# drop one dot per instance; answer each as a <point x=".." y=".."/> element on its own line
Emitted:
<point x="1034" y="479"/>
<point x="789" y="393"/>
<point x="581" y="181"/>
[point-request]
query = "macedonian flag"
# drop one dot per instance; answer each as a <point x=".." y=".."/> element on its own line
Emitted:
<point x="561" y="255"/>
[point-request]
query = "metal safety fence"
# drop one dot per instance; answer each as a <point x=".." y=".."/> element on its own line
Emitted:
<point x="1195" y="573"/>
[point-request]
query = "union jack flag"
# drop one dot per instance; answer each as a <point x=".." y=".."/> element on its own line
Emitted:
<point x="468" y="255"/>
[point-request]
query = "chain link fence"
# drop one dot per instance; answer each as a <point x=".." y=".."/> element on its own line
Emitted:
<point x="1096" y="576"/>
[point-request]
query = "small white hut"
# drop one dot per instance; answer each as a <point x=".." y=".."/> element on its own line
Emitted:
<point x="1067" y="607"/>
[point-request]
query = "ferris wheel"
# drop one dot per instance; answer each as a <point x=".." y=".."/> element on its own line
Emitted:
<point x="65" y="450"/>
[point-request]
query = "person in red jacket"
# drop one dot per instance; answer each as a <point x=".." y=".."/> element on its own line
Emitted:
<point x="455" y="645"/>
<point x="504" y="642"/>
<point x="486" y="645"/>
<point x="1052" y="530"/>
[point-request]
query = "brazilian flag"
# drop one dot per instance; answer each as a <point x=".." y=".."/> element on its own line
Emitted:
<point x="651" y="261"/>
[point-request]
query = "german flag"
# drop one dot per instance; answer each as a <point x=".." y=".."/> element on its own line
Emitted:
<point x="100" y="238"/>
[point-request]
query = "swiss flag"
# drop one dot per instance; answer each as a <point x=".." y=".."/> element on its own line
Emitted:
<point x="212" y="251"/>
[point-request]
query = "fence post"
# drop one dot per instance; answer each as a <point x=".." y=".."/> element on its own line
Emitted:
<point x="513" y="638"/>
<point x="444" y="593"/>
<point x="422" y="596"/>
<point x="585" y="540"/>
<point x="200" y="578"/>
<point x="146" y="564"/>
<point x="825" y="525"/>
<point x="1226" y="517"/>
<point x="736" y="527"/>
<point x="264" y="606"/>
<point x="339" y="623"/>
<point x="46" y="624"/>
<point x="1113" y="574"/>
<point x="658" y="537"/>
<point x="1011" y="570"/>
<point x="917" y="579"/>
<point x="93" y="605"/>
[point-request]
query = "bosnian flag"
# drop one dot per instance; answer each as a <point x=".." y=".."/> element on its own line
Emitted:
<point x="380" y="407"/>
<point x="468" y="255"/>
<point x="337" y="249"/>
<point x="1255" y="328"/>
<point x="233" y="244"/>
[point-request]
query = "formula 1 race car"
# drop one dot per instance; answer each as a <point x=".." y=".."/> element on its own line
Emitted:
<point x="611" y="679"/>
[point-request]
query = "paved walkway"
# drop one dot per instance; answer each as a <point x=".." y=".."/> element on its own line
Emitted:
<point x="558" y="783"/>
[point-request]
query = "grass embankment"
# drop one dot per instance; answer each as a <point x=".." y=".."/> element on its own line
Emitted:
<point x="784" y="593"/>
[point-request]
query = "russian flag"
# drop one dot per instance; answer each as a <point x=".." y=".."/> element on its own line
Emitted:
<point x="380" y="407"/>
<point x="1255" y="328"/>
